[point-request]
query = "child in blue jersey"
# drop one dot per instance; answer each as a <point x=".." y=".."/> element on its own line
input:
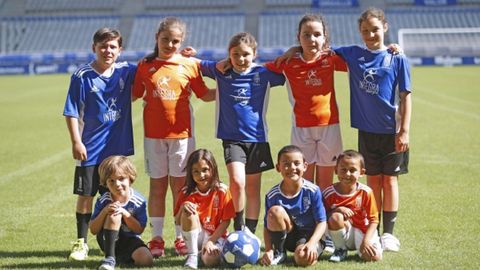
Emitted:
<point x="120" y="216"/>
<point x="98" y="115"/>
<point x="295" y="218"/>
<point x="381" y="110"/>
<point x="242" y="99"/>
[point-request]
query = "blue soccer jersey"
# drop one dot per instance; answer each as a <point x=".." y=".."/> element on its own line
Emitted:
<point x="102" y="106"/>
<point x="242" y="101"/>
<point x="305" y="208"/>
<point x="376" y="80"/>
<point x="136" y="205"/>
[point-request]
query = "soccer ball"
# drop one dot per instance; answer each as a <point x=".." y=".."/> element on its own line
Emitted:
<point x="240" y="248"/>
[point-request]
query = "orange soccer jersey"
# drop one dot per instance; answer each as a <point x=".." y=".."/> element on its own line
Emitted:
<point x="361" y="202"/>
<point x="311" y="89"/>
<point x="213" y="207"/>
<point x="166" y="86"/>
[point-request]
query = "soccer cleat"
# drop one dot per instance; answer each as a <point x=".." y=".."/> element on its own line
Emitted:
<point x="328" y="245"/>
<point x="108" y="263"/>
<point x="79" y="250"/>
<point x="157" y="247"/>
<point x="278" y="258"/>
<point x="191" y="262"/>
<point x="339" y="255"/>
<point x="390" y="242"/>
<point x="180" y="247"/>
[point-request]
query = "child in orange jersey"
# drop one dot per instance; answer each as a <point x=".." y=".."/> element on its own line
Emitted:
<point x="315" y="127"/>
<point x="204" y="209"/>
<point x="352" y="211"/>
<point x="166" y="80"/>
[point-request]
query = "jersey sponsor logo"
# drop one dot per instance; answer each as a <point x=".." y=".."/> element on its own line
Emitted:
<point x="112" y="114"/>
<point x="162" y="91"/>
<point x="369" y="83"/>
<point x="312" y="78"/>
<point x="241" y="96"/>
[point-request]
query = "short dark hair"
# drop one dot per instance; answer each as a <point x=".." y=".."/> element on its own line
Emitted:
<point x="351" y="154"/>
<point x="107" y="34"/>
<point x="289" y="149"/>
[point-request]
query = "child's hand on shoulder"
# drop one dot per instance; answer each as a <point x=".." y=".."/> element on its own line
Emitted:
<point x="188" y="52"/>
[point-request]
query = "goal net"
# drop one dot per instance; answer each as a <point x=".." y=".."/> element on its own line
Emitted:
<point x="440" y="42"/>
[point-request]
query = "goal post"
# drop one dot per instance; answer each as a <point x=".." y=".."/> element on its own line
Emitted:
<point x="446" y="42"/>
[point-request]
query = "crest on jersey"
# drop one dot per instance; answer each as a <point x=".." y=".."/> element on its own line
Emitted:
<point x="121" y="84"/>
<point x="256" y="78"/>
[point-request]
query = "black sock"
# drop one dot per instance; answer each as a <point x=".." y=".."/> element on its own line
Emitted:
<point x="109" y="236"/>
<point x="82" y="225"/>
<point x="389" y="219"/>
<point x="278" y="241"/>
<point x="238" y="222"/>
<point x="251" y="224"/>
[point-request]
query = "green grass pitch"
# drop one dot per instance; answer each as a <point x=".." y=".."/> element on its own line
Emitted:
<point x="438" y="222"/>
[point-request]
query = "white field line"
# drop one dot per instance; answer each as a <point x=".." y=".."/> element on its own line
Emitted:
<point x="45" y="162"/>
<point x="472" y="115"/>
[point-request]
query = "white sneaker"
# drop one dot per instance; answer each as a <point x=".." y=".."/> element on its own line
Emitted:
<point x="191" y="262"/>
<point x="339" y="255"/>
<point x="79" y="250"/>
<point x="390" y="242"/>
<point x="278" y="258"/>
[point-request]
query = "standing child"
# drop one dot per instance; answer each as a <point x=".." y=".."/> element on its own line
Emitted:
<point x="315" y="125"/>
<point x="166" y="80"/>
<point x="380" y="108"/>
<point x="120" y="216"/>
<point x="295" y="218"/>
<point x="352" y="211"/>
<point x="98" y="115"/>
<point x="204" y="209"/>
<point x="241" y="124"/>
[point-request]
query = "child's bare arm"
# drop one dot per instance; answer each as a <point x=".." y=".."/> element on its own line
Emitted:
<point x="402" y="139"/>
<point x="268" y="254"/>
<point x="79" y="151"/>
<point x="97" y="223"/>
<point x="366" y="247"/>
<point x="210" y="95"/>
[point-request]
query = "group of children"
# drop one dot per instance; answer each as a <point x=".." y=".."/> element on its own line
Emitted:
<point x="299" y="213"/>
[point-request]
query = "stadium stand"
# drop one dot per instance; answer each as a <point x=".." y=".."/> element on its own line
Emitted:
<point x="34" y="30"/>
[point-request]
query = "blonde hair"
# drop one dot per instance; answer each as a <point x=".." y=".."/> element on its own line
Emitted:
<point x="114" y="165"/>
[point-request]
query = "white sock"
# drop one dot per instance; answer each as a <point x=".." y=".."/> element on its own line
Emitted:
<point x="338" y="238"/>
<point x="157" y="226"/>
<point x="191" y="241"/>
<point x="178" y="231"/>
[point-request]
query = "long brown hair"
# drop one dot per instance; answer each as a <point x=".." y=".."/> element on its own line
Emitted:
<point x="165" y="24"/>
<point x="196" y="156"/>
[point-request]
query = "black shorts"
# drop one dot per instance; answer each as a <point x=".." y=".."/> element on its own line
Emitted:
<point x="298" y="237"/>
<point x="380" y="156"/>
<point x="87" y="181"/>
<point x="256" y="156"/>
<point x="124" y="246"/>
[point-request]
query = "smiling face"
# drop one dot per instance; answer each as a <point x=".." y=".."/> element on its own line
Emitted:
<point x="373" y="31"/>
<point x="119" y="186"/>
<point x="291" y="166"/>
<point x="312" y="39"/>
<point x="202" y="175"/>
<point x="242" y="57"/>
<point x="169" y="41"/>
<point x="349" y="171"/>
<point x="106" y="53"/>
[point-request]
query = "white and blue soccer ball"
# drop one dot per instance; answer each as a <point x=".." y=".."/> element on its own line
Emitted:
<point x="240" y="248"/>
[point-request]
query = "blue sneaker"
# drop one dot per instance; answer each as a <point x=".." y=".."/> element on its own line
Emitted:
<point x="339" y="255"/>
<point x="108" y="263"/>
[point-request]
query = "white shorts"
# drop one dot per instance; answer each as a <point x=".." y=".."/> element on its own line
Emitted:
<point x="354" y="237"/>
<point x="165" y="157"/>
<point x="203" y="236"/>
<point x="320" y="145"/>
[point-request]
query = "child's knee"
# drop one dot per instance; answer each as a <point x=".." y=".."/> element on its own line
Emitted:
<point x="276" y="216"/>
<point x="113" y="222"/>
<point x="301" y="258"/>
<point x="142" y="257"/>
<point x="336" y="221"/>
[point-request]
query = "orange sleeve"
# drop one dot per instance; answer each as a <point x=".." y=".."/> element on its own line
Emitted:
<point x="272" y="67"/>
<point x="371" y="208"/>
<point x="340" y="64"/>
<point x="228" y="208"/>
<point x="138" y="87"/>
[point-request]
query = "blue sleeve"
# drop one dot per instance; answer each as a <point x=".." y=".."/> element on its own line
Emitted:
<point x="319" y="210"/>
<point x="275" y="79"/>
<point x="74" y="97"/>
<point x="208" y="68"/>
<point x="141" y="214"/>
<point x="404" y="82"/>
<point x="98" y="208"/>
